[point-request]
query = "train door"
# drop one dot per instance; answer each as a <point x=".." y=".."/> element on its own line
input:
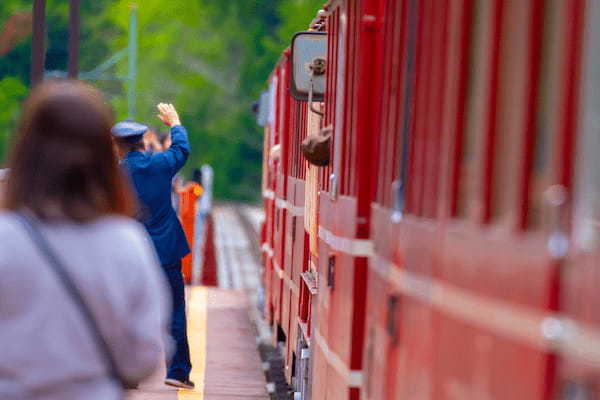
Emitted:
<point x="498" y="285"/>
<point x="344" y="210"/>
<point x="287" y="314"/>
<point x="269" y="178"/>
<point x="325" y="361"/>
<point x="468" y="286"/>
<point x="423" y="58"/>
<point x="281" y="193"/>
<point x="295" y="234"/>
<point x="309" y="123"/>
<point x="424" y="74"/>
<point x="579" y="336"/>
<point x="496" y="281"/>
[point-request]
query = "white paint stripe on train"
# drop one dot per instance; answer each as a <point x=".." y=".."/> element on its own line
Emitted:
<point x="352" y="377"/>
<point x="296" y="211"/>
<point x="268" y="194"/>
<point x="281" y="203"/>
<point x="267" y="249"/>
<point x="354" y="247"/>
<point x="544" y="330"/>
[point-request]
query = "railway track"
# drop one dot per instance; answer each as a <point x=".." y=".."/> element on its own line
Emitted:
<point x="237" y="238"/>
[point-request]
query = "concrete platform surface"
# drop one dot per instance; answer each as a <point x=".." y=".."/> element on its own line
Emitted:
<point x="225" y="360"/>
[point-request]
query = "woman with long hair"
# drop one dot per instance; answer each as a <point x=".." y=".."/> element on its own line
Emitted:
<point x="83" y="305"/>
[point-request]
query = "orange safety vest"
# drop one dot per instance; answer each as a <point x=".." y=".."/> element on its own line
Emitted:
<point x="187" y="214"/>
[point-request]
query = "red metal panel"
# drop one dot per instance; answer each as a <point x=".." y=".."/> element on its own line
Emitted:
<point x="380" y="348"/>
<point x="292" y="339"/>
<point x="284" y="110"/>
<point x="288" y="257"/>
<point x="578" y="296"/>
<point x="460" y="22"/>
<point x="299" y="264"/>
<point x="339" y="319"/>
<point x="492" y="109"/>
<point x="440" y="354"/>
<point x="427" y="336"/>
<point x="513" y="270"/>
<point x="334" y="330"/>
<point x="269" y="179"/>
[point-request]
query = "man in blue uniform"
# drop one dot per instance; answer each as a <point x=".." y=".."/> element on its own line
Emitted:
<point x="151" y="175"/>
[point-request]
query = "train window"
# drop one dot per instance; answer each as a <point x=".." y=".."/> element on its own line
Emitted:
<point x="541" y="173"/>
<point x="586" y="227"/>
<point x="476" y="115"/>
<point x="512" y="108"/>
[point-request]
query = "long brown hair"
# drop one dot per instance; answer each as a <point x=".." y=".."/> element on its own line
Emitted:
<point x="62" y="164"/>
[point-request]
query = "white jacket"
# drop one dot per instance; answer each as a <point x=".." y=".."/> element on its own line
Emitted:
<point x="46" y="349"/>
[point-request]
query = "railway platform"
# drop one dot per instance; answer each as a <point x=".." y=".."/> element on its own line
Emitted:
<point x="222" y="330"/>
<point x="226" y="364"/>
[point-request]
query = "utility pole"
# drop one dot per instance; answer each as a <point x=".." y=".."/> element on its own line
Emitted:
<point x="74" y="36"/>
<point x="132" y="58"/>
<point x="38" y="49"/>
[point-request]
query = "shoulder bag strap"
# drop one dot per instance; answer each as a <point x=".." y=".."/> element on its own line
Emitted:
<point x="54" y="261"/>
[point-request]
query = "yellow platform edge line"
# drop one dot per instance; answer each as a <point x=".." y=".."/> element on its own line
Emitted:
<point x="197" y="317"/>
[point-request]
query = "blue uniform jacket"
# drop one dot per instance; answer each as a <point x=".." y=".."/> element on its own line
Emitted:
<point x="152" y="176"/>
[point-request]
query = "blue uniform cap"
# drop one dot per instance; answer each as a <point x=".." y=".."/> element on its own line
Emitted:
<point x="128" y="129"/>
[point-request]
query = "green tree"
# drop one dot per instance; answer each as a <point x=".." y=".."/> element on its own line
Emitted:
<point x="209" y="57"/>
<point x="212" y="59"/>
<point x="12" y="93"/>
<point x="96" y="33"/>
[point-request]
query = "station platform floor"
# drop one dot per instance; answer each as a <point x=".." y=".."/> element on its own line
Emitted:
<point x="223" y="346"/>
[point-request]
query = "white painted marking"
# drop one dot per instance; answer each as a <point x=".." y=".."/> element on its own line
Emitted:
<point x="352" y="377"/>
<point x="540" y="329"/>
<point x="281" y="203"/>
<point x="268" y="194"/>
<point x="267" y="249"/>
<point x="354" y="247"/>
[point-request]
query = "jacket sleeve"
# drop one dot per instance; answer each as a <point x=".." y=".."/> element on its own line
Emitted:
<point x="176" y="155"/>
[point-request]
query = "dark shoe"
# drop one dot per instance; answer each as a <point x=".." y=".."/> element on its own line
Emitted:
<point x="186" y="384"/>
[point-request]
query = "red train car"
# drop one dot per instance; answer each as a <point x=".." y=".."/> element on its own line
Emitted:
<point x="450" y="249"/>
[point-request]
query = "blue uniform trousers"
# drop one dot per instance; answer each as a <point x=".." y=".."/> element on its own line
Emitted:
<point x="179" y="366"/>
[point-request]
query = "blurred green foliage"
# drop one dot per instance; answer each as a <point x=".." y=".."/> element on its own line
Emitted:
<point x="12" y="93"/>
<point x="210" y="58"/>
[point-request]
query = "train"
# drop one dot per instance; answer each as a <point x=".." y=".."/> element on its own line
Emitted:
<point x="447" y="245"/>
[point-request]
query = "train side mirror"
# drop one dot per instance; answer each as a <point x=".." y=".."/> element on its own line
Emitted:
<point x="309" y="62"/>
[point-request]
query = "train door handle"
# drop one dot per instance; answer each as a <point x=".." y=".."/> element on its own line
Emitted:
<point x="392" y="323"/>
<point x="331" y="272"/>
<point x="333" y="185"/>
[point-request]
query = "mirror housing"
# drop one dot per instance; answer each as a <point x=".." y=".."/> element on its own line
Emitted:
<point x="309" y="59"/>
